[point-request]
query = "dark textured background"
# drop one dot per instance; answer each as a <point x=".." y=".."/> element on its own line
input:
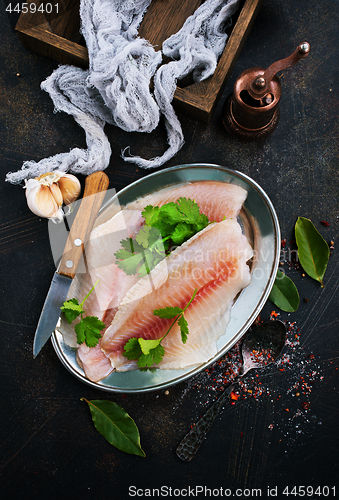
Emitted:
<point x="49" y="447"/>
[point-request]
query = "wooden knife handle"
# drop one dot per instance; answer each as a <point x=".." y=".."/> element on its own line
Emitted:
<point x="96" y="185"/>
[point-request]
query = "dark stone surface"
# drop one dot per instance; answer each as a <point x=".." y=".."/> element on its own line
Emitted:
<point x="49" y="447"/>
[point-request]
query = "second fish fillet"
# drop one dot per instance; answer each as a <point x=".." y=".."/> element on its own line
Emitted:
<point x="214" y="262"/>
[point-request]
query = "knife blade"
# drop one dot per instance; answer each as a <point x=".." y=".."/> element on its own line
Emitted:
<point x="96" y="185"/>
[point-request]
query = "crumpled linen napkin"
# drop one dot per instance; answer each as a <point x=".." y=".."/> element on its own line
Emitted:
<point x="116" y="87"/>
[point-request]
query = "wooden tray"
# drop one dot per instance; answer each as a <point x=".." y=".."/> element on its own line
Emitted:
<point x="55" y="34"/>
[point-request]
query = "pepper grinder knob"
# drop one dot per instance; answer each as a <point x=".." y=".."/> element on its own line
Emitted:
<point x="252" y="111"/>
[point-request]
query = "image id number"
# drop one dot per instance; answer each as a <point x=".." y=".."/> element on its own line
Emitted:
<point x="33" y="7"/>
<point x="309" y="491"/>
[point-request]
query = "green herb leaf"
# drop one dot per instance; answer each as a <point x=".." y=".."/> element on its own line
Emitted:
<point x="157" y="355"/>
<point x="150" y="352"/>
<point x="170" y="224"/>
<point x="313" y="251"/>
<point x="190" y="209"/>
<point x="88" y="330"/>
<point x="167" y="312"/>
<point x="150" y="214"/>
<point x="142" y="254"/>
<point x="71" y="309"/>
<point x="148" y="345"/>
<point x="148" y="236"/>
<point x="154" y="356"/>
<point x="183" y="328"/>
<point x="89" y="327"/>
<point x="130" y="256"/>
<point x="132" y="349"/>
<point x="116" y="426"/>
<point x="170" y="214"/>
<point x="284" y="293"/>
<point x="182" y="233"/>
<point x="146" y="352"/>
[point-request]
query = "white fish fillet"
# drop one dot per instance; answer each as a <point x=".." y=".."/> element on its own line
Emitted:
<point x="114" y="283"/>
<point x="216" y="199"/>
<point x="214" y="262"/>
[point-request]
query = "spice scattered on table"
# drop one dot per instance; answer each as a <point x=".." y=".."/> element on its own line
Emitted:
<point x="291" y="407"/>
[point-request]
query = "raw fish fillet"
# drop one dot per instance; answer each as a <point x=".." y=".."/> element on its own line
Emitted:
<point x="214" y="262"/>
<point x="218" y="200"/>
<point x="109" y="292"/>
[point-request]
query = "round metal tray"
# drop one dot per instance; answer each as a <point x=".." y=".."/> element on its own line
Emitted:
<point x="260" y="225"/>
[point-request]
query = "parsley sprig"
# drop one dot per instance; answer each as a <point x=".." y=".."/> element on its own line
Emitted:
<point x="89" y="327"/>
<point x="150" y="352"/>
<point x="165" y="227"/>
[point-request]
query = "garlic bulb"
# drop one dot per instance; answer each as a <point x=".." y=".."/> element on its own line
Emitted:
<point x="46" y="194"/>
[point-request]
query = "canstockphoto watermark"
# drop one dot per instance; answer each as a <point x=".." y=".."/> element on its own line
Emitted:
<point x="193" y="492"/>
<point x="251" y="493"/>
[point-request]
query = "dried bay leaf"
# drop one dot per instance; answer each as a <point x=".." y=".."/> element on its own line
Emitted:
<point x="284" y="293"/>
<point x="117" y="427"/>
<point x="313" y="251"/>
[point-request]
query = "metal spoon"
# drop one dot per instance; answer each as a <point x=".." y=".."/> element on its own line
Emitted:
<point x="260" y="347"/>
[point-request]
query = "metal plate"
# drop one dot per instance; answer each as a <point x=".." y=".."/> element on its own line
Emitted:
<point x="259" y="223"/>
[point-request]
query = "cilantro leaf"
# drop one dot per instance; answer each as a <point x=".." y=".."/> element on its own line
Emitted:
<point x="183" y="328"/>
<point x="148" y="345"/>
<point x="157" y="354"/>
<point x="149" y="352"/>
<point x="71" y="309"/>
<point x="171" y="224"/>
<point x="182" y="232"/>
<point x="141" y="255"/>
<point x="154" y="356"/>
<point x="146" y="352"/>
<point x="150" y="260"/>
<point x="170" y="213"/>
<point x="147" y="236"/>
<point x="88" y="330"/>
<point x="189" y="208"/>
<point x="150" y="214"/>
<point x="132" y="348"/>
<point x="201" y="222"/>
<point x="130" y="256"/>
<point x="167" y="312"/>
<point x="191" y="211"/>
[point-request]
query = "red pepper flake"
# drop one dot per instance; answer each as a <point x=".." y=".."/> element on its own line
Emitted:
<point x="286" y="409"/>
<point x="305" y="405"/>
<point x="241" y="434"/>
<point x="274" y="314"/>
<point x="324" y="223"/>
<point x="234" y="396"/>
<point x="283" y="242"/>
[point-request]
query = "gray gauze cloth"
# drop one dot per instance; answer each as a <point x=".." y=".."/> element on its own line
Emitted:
<point x="116" y="87"/>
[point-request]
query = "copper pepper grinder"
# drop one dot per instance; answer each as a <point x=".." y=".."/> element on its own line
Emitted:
<point x="252" y="111"/>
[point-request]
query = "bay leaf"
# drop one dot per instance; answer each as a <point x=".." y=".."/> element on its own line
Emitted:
<point x="117" y="427"/>
<point x="313" y="251"/>
<point x="284" y="293"/>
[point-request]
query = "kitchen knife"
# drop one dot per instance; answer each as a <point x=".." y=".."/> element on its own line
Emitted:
<point x="96" y="185"/>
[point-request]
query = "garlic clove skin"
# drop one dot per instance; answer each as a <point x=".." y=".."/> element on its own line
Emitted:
<point x="70" y="188"/>
<point x="56" y="193"/>
<point x="40" y="200"/>
<point x="46" y="194"/>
